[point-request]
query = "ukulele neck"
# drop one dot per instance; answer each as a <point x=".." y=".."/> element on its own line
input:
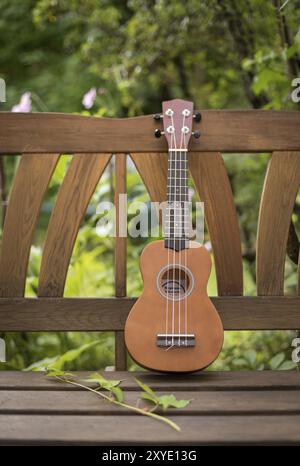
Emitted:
<point x="177" y="213"/>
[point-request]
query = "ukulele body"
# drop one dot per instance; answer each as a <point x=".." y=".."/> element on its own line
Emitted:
<point x="173" y="326"/>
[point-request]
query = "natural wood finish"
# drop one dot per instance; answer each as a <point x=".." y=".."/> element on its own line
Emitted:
<point x="126" y="429"/>
<point x="212" y="183"/>
<point x="148" y="316"/>
<point x="120" y="255"/>
<point x="73" y="197"/>
<point x="202" y="381"/>
<point x="59" y="314"/>
<point x="30" y="184"/>
<point x="222" y="130"/>
<point x="281" y="185"/>
<point x="153" y="171"/>
<point x="203" y="402"/>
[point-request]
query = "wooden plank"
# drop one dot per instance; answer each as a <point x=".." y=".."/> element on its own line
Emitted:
<point x="101" y="314"/>
<point x="200" y="381"/>
<point x="73" y="197"/>
<point x="153" y="171"/>
<point x="212" y="183"/>
<point x="202" y="402"/>
<point x="120" y="430"/>
<point x="281" y="185"/>
<point x="29" y="186"/>
<point x="120" y="254"/>
<point x="222" y="130"/>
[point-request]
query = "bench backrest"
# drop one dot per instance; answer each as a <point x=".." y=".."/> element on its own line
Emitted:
<point x="41" y="138"/>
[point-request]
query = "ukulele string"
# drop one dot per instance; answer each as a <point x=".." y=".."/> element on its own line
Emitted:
<point x="182" y="138"/>
<point x="185" y="249"/>
<point x="168" y="236"/>
<point x="174" y="224"/>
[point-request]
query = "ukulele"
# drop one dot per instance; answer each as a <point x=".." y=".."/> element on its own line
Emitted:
<point x="173" y="326"/>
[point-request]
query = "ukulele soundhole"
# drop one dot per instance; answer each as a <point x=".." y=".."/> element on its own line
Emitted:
<point x="175" y="283"/>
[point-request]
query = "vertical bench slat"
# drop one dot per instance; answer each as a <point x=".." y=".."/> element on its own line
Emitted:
<point x="72" y="201"/>
<point x="278" y="197"/>
<point x="153" y="171"/>
<point x="120" y="257"/>
<point x="30" y="184"/>
<point x="212" y="183"/>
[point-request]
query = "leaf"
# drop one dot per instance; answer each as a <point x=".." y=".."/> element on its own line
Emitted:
<point x="148" y="397"/>
<point x="277" y="360"/>
<point x="110" y="385"/>
<point x="287" y="366"/>
<point x="118" y="393"/>
<point x="166" y="401"/>
<point x="71" y="355"/>
<point x="146" y="389"/>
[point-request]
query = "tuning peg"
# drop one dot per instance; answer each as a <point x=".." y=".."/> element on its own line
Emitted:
<point x="158" y="133"/>
<point x="197" y="117"/>
<point x="157" y="116"/>
<point x="196" y="134"/>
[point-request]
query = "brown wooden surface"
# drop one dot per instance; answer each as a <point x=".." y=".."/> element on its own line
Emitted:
<point x="120" y="254"/>
<point x="153" y="171"/>
<point x="25" y="200"/>
<point x="59" y="314"/>
<point x="222" y="130"/>
<point x="72" y="201"/>
<point x="279" y="192"/>
<point x="150" y="313"/>
<point x="212" y="183"/>
<point x="200" y="381"/>
<point x="226" y="408"/>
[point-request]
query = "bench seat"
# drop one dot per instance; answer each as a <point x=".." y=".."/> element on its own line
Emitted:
<point x="260" y="407"/>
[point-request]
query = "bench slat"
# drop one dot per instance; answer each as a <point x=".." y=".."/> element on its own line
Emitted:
<point x="29" y="186"/>
<point x="222" y="130"/>
<point x="212" y="183"/>
<point x="201" y="381"/>
<point x="76" y="429"/>
<point x="202" y="402"/>
<point x="281" y="185"/>
<point x="120" y="257"/>
<point x="100" y="314"/>
<point x="72" y="201"/>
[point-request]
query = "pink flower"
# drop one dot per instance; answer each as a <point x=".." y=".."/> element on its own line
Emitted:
<point x="89" y="98"/>
<point x="24" y="105"/>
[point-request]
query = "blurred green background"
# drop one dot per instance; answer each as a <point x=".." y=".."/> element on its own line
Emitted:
<point x="123" y="58"/>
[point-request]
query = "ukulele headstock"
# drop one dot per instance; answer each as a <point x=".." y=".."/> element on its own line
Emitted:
<point x="177" y="116"/>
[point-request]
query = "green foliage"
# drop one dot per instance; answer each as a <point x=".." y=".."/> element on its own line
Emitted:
<point x="136" y="53"/>
<point x="111" y="385"/>
<point x="163" y="401"/>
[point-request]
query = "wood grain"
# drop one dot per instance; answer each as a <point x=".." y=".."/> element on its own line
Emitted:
<point x="281" y="185"/>
<point x="153" y="171"/>
<point x="222" y="130"/>
<point x="111" y="430"/>
<point x="203" y="402"/>
<point x="71" y="204"/>
<point x="101" y="314"/>
<point x="25" y="200"/>
<point x="202" y="381"/>
<point x="212" y="183"/>
<point x="120" y="254"/>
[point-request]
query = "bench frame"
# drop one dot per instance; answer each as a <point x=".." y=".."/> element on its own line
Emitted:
<point x="41" y="138"/>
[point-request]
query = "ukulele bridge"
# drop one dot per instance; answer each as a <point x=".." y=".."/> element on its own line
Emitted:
<point x="176" y="340"/>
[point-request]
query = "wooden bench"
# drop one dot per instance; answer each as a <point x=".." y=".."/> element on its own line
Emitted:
<point x="228" y="407"/>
